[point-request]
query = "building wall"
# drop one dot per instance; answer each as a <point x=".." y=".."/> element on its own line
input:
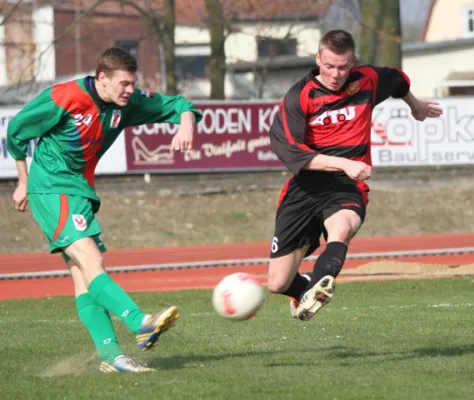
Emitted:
<point x="19" y="47"/>
<point x="242" y="45"/>
<point x="447" y="20"/>
<point x="3" y="61"/>
<point x="95" y="34"/>
<point x="427" y="69"/>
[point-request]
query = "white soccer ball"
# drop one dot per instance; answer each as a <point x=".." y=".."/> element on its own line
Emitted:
<point x="238" y="296"/>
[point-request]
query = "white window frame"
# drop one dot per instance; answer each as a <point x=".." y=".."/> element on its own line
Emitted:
<point x="192" y="50"/>
<point x="466" y="10"/>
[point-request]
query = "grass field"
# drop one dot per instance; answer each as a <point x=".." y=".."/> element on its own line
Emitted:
<point x="377" y="340"/>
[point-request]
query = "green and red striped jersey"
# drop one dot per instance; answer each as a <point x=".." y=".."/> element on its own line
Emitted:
<point x="75" y="128"/>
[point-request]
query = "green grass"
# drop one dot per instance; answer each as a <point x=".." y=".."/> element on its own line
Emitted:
<point x="377" y="340"/>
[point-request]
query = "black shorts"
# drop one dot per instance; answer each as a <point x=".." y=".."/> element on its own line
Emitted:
<point x="301" y="214"/>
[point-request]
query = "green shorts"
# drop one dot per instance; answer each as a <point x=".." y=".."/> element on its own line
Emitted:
<point x="65" y="219"/>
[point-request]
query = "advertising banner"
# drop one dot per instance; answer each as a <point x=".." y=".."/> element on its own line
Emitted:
<point x="231" y="136"/>
<point x="399" y="140"/>
<point x="7" y="164"/>
<point x="234" y="136"/>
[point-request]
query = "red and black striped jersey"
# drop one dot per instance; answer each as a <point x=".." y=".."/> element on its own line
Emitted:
<point x="313" y="120"/>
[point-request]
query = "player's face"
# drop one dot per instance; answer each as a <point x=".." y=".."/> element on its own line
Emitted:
<point x="118" y="87"/>
<point x="334" y="68"/>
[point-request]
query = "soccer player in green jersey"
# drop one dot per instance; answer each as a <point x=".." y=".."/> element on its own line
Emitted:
<point x="76" y="122"/>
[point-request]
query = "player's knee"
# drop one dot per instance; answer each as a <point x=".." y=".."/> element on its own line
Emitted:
<point x="343" y="233"/>
<point x="90" y="264"/>
<point x="281" y="271"/>
<point x="277" y="283"/>
<point x="85" y="254"/>
<point x="342" y="226"/>
<point x="95" y="260"/>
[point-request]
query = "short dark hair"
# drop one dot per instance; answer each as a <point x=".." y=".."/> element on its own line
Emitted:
<point x="115" y="59"/>
<point x="338" y="41"/>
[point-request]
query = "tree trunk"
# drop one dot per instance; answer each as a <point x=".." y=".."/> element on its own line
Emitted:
<point x="217" y="60"/>
<point x="371" y="20"/>
<point x="392" y="48"/>
<point x="167" y="36"/>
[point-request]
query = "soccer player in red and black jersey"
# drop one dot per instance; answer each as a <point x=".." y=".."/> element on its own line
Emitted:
<point x="322" y="134"/>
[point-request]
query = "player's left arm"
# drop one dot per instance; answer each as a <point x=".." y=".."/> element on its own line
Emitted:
<point x="422" y="108"/>
<point x="393" y="82"/>
<point x="151" y="108"/>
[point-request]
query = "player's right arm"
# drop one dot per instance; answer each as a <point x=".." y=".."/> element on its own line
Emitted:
<point x="356" y="170"/>
<point x="19" y="195"/>
<point x="288" y="131"/>
<point x="287" y="135"/>
<point x="33" y="121"/>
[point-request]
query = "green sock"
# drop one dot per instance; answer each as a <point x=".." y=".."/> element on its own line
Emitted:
<point x="114" y="299"/>
<point x="98" y="323"/>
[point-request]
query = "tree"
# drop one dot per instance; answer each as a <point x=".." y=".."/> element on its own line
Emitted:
<point x="166" y="34"/>
<point x="392" y="38"/>
<point x="371" y="21"/>
<point x="217" y="62"/>
<point x="381" y="32"/>
<point x="161" y="28"/>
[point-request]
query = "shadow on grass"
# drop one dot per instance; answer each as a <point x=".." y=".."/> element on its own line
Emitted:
<point x="348" y="356"/>
<point x="186" y="361"/>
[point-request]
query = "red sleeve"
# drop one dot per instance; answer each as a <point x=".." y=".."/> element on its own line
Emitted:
<point x="288" y="130"/>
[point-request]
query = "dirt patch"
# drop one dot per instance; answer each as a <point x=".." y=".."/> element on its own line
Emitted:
<point x="239" y="209"/>
<point x="410" y="269"/>
<point x="71" y="366"/>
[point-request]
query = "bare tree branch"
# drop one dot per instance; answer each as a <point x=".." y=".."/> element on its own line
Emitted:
<point x="11" y="12"/>
<point x="149" y="15"/>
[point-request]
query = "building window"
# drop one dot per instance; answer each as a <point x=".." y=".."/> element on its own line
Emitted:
<point x="191" y="67"/>
<point x="461" y="91"/>
<point x="269" y="47"/>
<point x="192" y="60"/>
<point x="469" y="21"/>
<point x="128" y="45"/>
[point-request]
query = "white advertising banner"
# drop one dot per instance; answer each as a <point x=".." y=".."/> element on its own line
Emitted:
<point x="7" y="163"/>
<point x="399" y="140"/>
<point x="113" y="162"/>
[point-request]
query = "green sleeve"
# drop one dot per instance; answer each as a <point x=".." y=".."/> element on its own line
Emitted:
<point x="33" y="121"/>
<point x="149" y="108"/>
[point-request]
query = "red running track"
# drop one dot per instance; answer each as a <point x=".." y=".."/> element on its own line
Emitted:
<point x="204" y="277"/>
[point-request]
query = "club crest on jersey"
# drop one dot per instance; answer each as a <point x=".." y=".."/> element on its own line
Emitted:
<point x="353" y="87"/>
<point x="80" y="222"/>
<point x="147" y="94"/>
<point x="115" y="120"/>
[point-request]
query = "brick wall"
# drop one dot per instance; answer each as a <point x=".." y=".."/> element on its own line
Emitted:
<point x="19" y="47"/>
<point x="96" y="33"/>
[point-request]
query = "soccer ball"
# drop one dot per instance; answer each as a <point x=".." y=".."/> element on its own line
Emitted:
<point x="238" y="296"/>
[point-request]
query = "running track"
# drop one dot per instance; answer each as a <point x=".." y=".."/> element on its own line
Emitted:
<point x="195" y="278"/>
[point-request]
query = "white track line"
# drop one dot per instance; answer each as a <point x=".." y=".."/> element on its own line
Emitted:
<point x="243" y="261"/>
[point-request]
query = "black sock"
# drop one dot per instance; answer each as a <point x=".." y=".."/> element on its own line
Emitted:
<point x="297" y="287"/>
<point x="330" y="262"/>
